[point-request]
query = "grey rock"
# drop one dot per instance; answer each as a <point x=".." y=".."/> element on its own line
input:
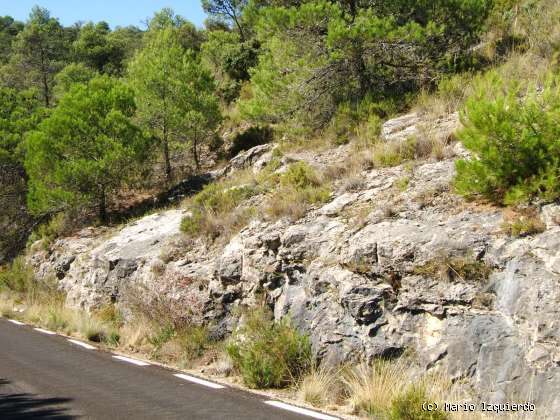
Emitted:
<point x="347" y="274"/>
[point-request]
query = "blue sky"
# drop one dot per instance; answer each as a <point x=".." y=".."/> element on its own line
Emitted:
<point x="115" y="12"/>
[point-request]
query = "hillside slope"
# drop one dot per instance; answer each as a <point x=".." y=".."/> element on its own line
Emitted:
<point x="394" y="261"/>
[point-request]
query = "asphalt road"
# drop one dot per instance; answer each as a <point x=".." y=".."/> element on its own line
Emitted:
<point x="47" y="377"/>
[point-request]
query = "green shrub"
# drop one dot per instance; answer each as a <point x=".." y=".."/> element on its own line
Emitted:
<point x="368" y="131"/>
<point x="48" y="232"/>
<point x="219" y="197"/>
<point x="343" y="123"/>
<point x="402" y="183"/>
<point x="393" y="154"/>
<point x="56" y="319"/>
<point x="299" y="175"/>
<point x="408" y="406"/>
<point x="269" y="354"/>
<point x="513" y="134"/>
<point x="18" y="277"/>
<point x="194" y="341"/>
<point x="162" y="335"/>
<point x="192" y="225"/>
<point x="300" y="187"/>
<point x="214" y="210"/>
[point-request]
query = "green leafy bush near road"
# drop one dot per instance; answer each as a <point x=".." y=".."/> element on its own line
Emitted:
<point x="408" y="406"/>
<point x="269" y="354"/>
<point x="18" y="277"/>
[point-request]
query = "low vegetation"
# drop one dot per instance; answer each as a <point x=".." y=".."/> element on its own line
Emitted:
<point x="455" y="268"/>
<point x="385" y="389"/>
<point x="523" y="222"/>
<point x="297" y="189"/>
<point x="265" y="353"/>
<point x="153" y="330"/>
<point x="217" y="211"/>
<point x="322" y="387"/>
<point x="269" y="354"/>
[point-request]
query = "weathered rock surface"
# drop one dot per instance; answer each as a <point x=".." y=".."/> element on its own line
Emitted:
<point x="414" y="125"/>
<point x="348" y="274"/>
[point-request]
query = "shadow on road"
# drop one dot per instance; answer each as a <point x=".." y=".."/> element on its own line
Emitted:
<point x="15" y="405"/>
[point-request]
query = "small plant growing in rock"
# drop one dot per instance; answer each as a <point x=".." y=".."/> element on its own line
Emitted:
<point x="215" y="210"/>
<point x="483" y="300"/>
<point x="455" y="268"/>
<point x="393" y="154"/>
<point x="389" y="211"/>
<point x="269" y="354"/>
<point x="402" y="183"/>
<point x="300" y="187"/>
<point x="523" y="222"/>
<point x="300" y="175"/>
<point x="359" y="266"/>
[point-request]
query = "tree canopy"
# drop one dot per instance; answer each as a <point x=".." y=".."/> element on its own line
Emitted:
<point x="90" y="102"/>
<point x="176" y="96"/>
<point x="85" y="150"/>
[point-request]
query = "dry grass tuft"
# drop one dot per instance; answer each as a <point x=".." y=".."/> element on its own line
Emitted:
<point x="455" y="268"/>
<point x="522" y="222"/>
<point x="321" y="387"/>
<point x="372" y="389"/>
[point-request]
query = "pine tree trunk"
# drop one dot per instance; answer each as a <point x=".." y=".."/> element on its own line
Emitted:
<point x="168" y="174"/>
<point x="195" y="153"/>
<point x="103" y="207"/>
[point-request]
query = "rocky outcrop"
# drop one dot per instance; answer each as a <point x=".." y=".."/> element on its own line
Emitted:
<point x="365" y="275"/>
<point x="414" y="125"/>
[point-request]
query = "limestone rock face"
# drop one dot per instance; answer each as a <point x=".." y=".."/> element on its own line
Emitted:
<point x="414" y="125"/>
<point x="365" y="275"/>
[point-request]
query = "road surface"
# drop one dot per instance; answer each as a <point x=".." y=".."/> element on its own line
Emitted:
<point x="45" y="376"/>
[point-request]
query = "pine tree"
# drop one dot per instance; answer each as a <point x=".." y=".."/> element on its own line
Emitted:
<point x="85" y="150"/>
<point x="176" y="95"/>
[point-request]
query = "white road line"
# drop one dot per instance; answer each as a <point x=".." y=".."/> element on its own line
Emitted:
<point x="13" y="321"/>
<point x="199" y="381"/>
<point x="45" y="331"/>
<point x="133" y="361"/>
<point x="299" y="410"/>
<point x="84" y="345"/>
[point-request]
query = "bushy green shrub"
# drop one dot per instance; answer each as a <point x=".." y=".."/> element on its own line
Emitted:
<point x="18" y="277"/>
<point x="217" y="197"/>
<point x="513" y="133"/>
<point x="49" y="231"/>
<point x="368" y="131"/>
<point x="192" y="225"/>
<point x="408" y="406"/>
<point x="299" y="175"/>
<point x="269" y="354"/>
<point x="217" y="202"/>
<point x="162" y="335"/>
<point x="194" y="341"/>
<point x="395" y="153"/>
